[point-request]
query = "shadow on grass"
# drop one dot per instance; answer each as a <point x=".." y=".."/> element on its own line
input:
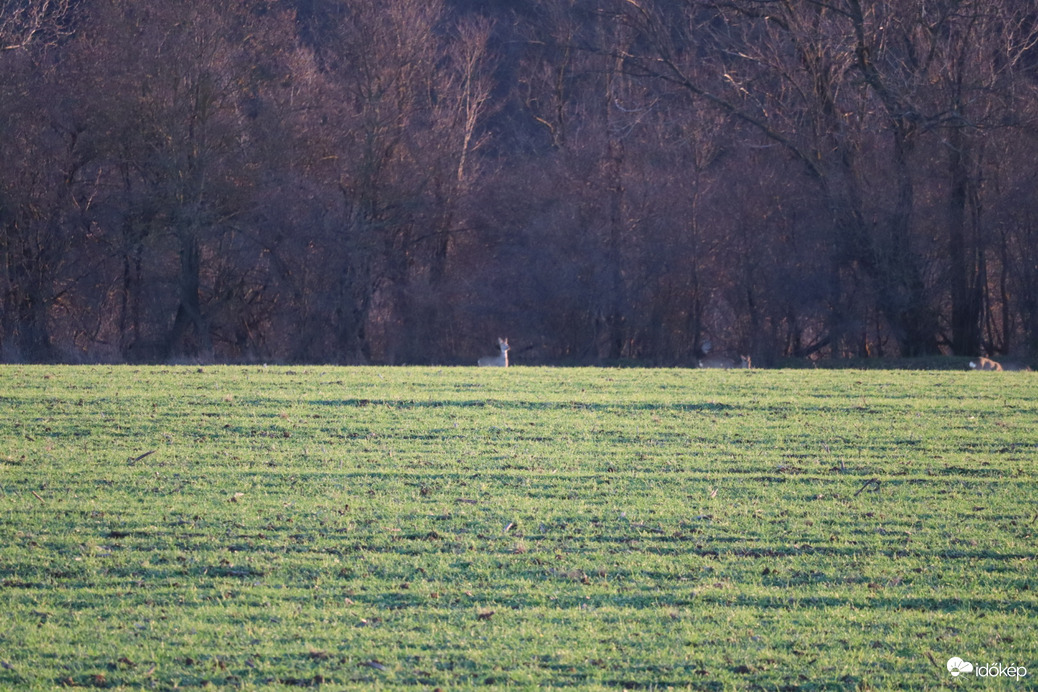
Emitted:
<point x="404" y="404"/>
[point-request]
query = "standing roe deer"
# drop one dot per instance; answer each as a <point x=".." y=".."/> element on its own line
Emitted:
<point x="984" y="364"/>
<point x="724" y="362"/>
<point x="500" y="361"/>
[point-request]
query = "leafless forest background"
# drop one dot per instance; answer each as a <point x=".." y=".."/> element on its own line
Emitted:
<point x="601" y="181"/>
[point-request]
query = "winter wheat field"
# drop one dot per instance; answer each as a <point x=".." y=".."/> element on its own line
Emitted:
<point x="461" y="528"/>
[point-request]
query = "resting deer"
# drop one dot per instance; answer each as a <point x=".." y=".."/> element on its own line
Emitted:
<point x="724" y="362"/>
<point x="984" y="364"/>
<point x="500" y="361"/>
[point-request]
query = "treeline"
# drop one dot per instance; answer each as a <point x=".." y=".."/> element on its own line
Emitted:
<point x="403" y="181"/>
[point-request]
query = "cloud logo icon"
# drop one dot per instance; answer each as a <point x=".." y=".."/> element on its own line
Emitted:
<point x="956" y="665"/>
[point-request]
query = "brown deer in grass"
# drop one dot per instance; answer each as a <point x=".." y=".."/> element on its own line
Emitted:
<point x="725" y="362"/>
<point x="499" y="361"/>
<point x="722" y="362"/>
<point x="988" y="364"/>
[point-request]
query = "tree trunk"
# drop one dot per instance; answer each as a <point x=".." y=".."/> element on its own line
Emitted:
<point x="964" y="262"/>
<point x="189" y="319"/>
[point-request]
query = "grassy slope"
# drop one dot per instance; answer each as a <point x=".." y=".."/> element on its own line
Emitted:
<point x="541" y="527"/>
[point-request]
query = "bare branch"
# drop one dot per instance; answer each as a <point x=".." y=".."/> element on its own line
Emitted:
<point x="23" y="23"/>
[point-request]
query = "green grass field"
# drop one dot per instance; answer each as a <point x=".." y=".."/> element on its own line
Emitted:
<point x="459" y="528"/>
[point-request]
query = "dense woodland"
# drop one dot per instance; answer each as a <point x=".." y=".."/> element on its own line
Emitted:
<point x="601" y="181"/>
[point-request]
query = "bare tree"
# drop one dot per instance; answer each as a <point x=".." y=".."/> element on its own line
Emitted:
<point x="41" y="156"/>
<point x="24" y="23"/>
<point x="408" y="89"/>
<point x="841" y="88"/>
<point x="400" y="181"/>
<point x="186" y="98"/>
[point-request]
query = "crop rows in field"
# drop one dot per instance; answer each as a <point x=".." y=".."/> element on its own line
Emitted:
<point x="455" y="528"/>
